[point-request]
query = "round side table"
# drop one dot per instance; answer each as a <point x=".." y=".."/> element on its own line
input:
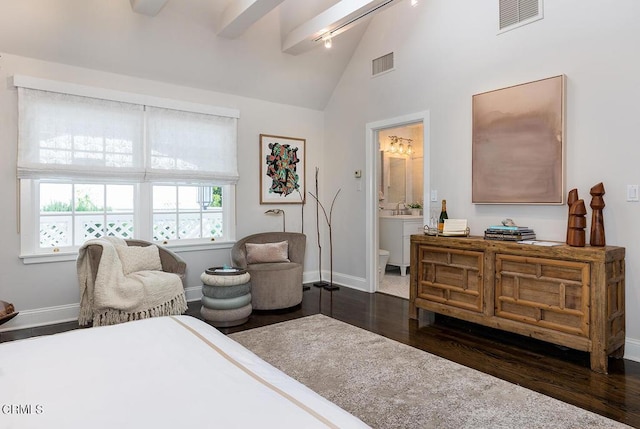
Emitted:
<point x="226" y="296"/>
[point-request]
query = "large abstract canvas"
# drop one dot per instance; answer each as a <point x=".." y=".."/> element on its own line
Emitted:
<point x="518" y="144"/>
<point x="282" y="170"/>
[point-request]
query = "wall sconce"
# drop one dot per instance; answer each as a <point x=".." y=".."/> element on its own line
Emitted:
<point x="414" y="3"/>
<point x="396" y="146"/>
<point x="278" y="212"/>
<point x="409" y="149"/>
<point x="393" y="148"/>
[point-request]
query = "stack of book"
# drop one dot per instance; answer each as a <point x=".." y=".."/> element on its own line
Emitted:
<point x="509" y="233"/>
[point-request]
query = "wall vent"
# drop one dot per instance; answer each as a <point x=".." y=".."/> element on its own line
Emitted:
<point x="515" y="13"/>
<point x="382" y="64"/>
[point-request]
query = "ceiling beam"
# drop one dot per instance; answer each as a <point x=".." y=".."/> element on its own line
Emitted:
<point x="335" y="20"/>
<point x="148" y="7"/>
<point x="239" y="15"/>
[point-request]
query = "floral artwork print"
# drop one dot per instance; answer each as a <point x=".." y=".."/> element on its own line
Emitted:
<point x="281" y="168"/>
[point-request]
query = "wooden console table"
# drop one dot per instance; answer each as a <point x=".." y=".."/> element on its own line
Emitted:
<point x="571" y="296"/>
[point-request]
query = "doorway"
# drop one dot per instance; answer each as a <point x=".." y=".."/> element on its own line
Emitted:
<point x="400" y="189"/>
<point x="380" y="190"/>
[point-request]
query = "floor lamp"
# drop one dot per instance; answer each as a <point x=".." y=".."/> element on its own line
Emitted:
<point x="278" y="212"/>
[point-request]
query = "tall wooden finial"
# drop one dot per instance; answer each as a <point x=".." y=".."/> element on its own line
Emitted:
<point x="577" y="224"/>
<point x="572" y="198"/>
<point x="597" y="219"/>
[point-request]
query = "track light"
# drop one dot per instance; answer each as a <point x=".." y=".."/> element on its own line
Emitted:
<point x="327" y="40"/>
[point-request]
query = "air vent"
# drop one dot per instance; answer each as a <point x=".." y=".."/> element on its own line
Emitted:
<point x="382" y="64"/>
<point x="515" y="13"/>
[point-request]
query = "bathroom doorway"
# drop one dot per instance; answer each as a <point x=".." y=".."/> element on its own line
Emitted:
<point x="399" y="177"/>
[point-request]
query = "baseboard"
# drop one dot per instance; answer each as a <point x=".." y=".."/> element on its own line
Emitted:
<point x="66" y="313"/>
<point x="632" y="349"/>
<point x="42" y="316"/>
<point x="193" y="293"/>
<point x="346" y="280"/>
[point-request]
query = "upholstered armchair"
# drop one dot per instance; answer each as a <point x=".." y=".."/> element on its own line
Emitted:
<point x="124" y="280"/>
<point x="275" y="268"/>
<point x="171" y="262"/>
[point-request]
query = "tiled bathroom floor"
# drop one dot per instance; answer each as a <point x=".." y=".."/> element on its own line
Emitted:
<point x="395" y="284"/>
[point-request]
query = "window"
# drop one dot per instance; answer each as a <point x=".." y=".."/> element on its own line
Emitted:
<point x="92" y="167"/>
<point x="184" y="212"/>
<point x="71" y="213"/>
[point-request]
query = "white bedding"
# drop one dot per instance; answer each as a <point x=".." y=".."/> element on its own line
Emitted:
<point x="165" y="372"/>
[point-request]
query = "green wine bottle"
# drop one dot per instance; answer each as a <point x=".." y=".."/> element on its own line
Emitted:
<point x="443" y="216"/>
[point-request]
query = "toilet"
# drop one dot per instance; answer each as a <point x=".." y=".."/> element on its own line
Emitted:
<point x="383" y="258"/>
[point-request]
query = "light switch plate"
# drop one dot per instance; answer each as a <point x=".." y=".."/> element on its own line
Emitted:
<point x="434" y="195"/>
<point x="632" y="193"/>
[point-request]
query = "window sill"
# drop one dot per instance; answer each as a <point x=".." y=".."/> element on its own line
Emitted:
<point x="43" y="258"/>
<point x="195" y="247"/>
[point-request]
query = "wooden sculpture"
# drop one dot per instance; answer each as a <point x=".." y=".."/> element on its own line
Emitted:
<point x="572" y="198"/>
<point x="597" y="219"/>
<point x="7" y="312"/>
<point x="577" y="224"/>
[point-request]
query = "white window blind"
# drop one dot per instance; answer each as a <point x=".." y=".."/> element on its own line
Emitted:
<point x="191" y="147"/>
<point x="67" y="136"/>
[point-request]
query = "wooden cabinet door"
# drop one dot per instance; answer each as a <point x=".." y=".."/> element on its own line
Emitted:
<point x="544" y="292"/>
<point x="451" y="276"/>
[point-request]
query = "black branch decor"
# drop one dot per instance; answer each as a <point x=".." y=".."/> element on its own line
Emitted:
<point x="301" y="211"/>
<point x="319" y="283"/>
<point x="328" y="218"/>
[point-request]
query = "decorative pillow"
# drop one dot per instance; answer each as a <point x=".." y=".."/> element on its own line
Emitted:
<point x="267" y="252"/>
<point x="139" y="258"/>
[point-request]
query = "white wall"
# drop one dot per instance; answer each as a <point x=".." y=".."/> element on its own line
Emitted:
<point x="445" y="51"/>
<point x="448" y="50"/>
<point x="49" y="292"/>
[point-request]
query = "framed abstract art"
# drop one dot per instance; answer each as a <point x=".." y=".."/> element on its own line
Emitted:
<point x="282" y="170"/>
<point x="518" y="148"/>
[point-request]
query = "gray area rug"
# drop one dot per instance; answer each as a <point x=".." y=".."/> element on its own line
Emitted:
<point x="391" y="385"/>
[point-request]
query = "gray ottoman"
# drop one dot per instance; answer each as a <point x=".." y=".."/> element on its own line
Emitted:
<point x="226" y="296"/>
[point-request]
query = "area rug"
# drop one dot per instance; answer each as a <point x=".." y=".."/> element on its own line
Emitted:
<point x="391" y="385"/>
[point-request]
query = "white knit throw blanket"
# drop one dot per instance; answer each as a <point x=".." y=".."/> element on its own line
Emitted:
<point x="116" y="298"/>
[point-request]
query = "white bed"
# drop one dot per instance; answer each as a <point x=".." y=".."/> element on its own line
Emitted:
<point x="165" y="372"/>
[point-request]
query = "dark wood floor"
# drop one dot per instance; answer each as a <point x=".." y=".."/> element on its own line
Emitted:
<point x="552" y="370"/>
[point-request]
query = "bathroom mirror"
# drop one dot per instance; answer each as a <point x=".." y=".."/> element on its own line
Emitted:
<point x="394" y="179"/>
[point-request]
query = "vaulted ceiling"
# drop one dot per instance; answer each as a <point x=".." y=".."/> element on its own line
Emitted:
<point x="267" y="49"/>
